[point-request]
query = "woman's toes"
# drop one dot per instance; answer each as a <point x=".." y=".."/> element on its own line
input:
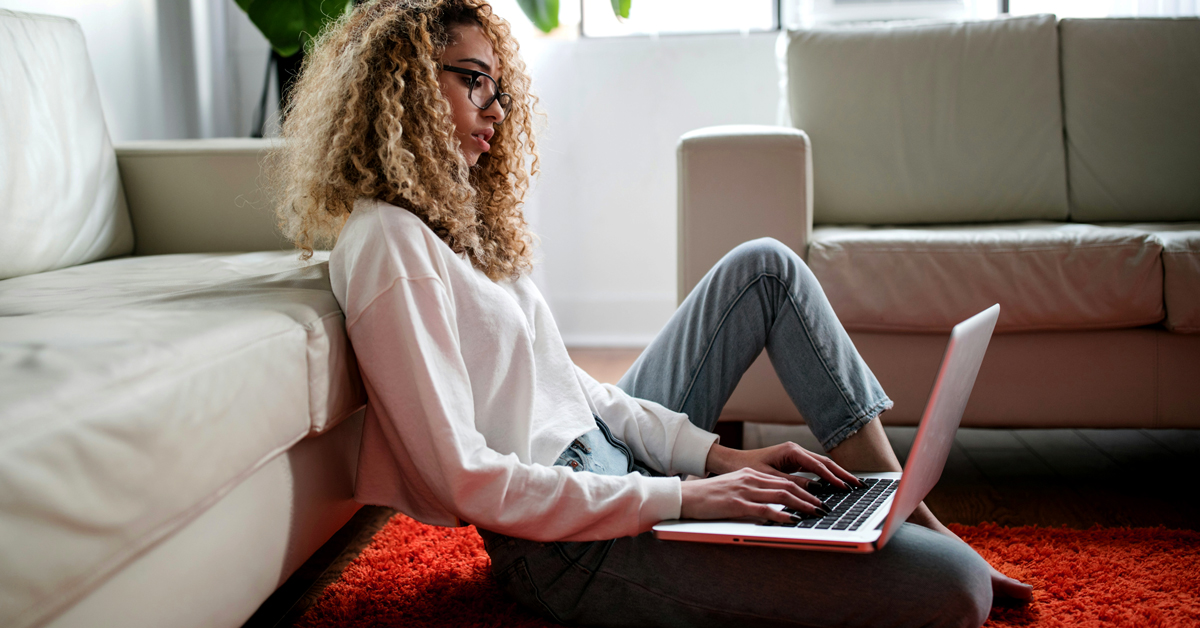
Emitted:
<point x="1005" y="587"/>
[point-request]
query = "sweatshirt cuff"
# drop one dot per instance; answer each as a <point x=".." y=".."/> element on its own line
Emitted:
<point x="664" y="501"/>
<point x="691" y="450"/>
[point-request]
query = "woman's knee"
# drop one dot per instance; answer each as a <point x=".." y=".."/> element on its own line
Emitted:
<point x="949" y="583"/>
<point x="971" y="597"/>
<point x="965" y="584"/>
<point x="765" y="255"/>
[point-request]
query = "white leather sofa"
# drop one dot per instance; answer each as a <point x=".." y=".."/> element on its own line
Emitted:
<point x="179" y="422"/>
<point x="934" y="169"/>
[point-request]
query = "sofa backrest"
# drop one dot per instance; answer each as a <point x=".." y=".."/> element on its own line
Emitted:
<point x="61" y="202"/>
<point x="925" y="123"/>
<point x="1131" y="105"/>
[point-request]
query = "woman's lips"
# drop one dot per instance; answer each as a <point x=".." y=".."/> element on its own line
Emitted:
<point x="481" y="142"/>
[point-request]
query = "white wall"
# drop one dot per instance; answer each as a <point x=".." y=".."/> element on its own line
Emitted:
<point x="604" y="206"/>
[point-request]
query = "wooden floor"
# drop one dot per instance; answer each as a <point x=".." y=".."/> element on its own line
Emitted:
<point x="1076" y="478"/>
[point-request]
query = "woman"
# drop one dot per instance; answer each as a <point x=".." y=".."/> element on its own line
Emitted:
<point x="408" y="141"/>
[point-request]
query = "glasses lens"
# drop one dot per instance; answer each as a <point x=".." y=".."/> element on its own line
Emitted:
<point x="483" y="91"/>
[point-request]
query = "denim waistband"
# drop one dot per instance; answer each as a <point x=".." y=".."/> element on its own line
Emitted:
<point x="599" y="451"/>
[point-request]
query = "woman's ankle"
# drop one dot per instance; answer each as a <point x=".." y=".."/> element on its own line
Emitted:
<point x="924" y="517"/>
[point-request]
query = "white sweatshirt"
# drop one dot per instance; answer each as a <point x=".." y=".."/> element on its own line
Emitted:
<point x="472" y="396"/>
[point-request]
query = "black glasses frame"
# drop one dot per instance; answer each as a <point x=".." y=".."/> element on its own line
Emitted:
<point x="504" y="97"/>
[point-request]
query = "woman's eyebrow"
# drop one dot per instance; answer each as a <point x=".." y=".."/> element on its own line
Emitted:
<point x="486" y="68"/>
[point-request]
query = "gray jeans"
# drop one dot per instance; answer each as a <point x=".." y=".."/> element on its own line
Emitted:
<point x="759" y="295"/>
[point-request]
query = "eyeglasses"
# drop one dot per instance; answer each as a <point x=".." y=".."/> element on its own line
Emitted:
<point x="483" y="90"/>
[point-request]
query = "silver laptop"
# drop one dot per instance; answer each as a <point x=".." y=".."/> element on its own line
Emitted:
<point x="864" y="519"/>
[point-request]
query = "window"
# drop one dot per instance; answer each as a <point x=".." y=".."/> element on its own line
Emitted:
<point x="653" y="17"/>
<point x="594" y="18"/>
<point x="1106" y="8"/>
<point x="812" y="12"/>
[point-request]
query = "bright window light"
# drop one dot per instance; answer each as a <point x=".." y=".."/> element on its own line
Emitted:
<point x="654" y="17"/>
<point x="1105" y="8"/>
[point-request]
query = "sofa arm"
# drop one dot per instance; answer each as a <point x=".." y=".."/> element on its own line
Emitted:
<point x="738" y="183"/>
<point x="198" y="196"/>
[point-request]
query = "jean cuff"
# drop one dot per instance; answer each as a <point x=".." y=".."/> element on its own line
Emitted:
<point x="848" y="430"/>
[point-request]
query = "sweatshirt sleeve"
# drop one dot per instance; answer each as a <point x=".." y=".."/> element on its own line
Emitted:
<point x="666" y="440"/>
<point x="407" y="344"/>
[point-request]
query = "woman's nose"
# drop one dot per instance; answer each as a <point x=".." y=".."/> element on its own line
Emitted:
<point x="494" y="112"/>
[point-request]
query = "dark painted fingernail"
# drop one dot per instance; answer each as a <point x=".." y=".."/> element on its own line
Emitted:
<point x="796" y="518"/>
<point x="823" y="511"/>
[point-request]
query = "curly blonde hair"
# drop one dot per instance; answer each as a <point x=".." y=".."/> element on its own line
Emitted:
<point x="367" y="118"/>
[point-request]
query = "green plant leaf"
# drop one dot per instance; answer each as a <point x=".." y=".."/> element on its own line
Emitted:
<point x="290" y="24"/>
<point x="543" y="13"/>
<point x="621" y="7"/>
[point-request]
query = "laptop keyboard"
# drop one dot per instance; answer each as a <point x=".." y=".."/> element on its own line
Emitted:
<point x="849" y="509"/>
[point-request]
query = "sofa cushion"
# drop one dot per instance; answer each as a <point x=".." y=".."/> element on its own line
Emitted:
<point x="929" y="123"/>
<point x="1045" y="276"/>
<point x="119" y="426"/>
<point x="60" y="196"/>
<point x="1181" y="271"/>
<point x="250" y="282"/>
<point x="1131" y="93"/>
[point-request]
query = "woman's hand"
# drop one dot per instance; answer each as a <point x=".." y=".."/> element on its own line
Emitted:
<point x="745" y="493"/>
<point x="780" y="460"/>
<point x="750" y="481"/>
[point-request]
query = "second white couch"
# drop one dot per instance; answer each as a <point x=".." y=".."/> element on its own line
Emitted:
<point x="935" y="169"/>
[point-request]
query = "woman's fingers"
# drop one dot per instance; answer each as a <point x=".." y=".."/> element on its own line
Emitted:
<point x="814" y="464"/>
<point x="801" y="483"/>
<point x="843" y="474"/>
<point x="787" y="499"/>
<point x="747" y="493"/>
<point x="763" y="511"/>
<point x="774" y="488"/>
<point x="828" y="470"/>
<point x="793" y="457"/>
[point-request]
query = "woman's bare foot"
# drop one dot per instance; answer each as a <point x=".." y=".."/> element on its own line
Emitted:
<point x="867" y="450"/>
<point x="1007" y="588"/>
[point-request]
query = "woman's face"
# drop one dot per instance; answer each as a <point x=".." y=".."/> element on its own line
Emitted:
<point x="470" y="49"/>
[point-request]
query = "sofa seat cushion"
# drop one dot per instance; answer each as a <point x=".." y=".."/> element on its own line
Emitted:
<point x="1045" y="276"/>
<point x="249" y="282"/>
<point x="1181" y="271"/>
<point x="120" y="425"/>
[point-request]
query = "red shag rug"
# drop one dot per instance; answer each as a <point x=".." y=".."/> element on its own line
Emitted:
<point x="414" y="575"/>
